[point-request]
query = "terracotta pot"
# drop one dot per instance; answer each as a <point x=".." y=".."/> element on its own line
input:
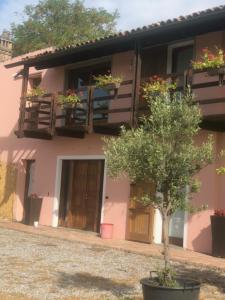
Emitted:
<point x="106" y="231"/>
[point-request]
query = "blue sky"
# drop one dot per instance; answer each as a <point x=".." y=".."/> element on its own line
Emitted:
<point x="133" y="13"/>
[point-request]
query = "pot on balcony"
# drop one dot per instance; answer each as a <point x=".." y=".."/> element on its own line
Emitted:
<point x="218" y="235"/>
<point x="186" y="290"/>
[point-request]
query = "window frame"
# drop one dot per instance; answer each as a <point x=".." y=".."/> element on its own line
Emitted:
<point x="170" y="52"/>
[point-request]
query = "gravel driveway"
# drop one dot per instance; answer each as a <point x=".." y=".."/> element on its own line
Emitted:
<point x="37" y="267"/>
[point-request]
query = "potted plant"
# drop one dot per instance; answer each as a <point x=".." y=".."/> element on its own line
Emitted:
<point x="35" y="92"/>
<point x="218" y="226"/>
<point x="212" y="63"/>
<point x="162" y="151"/>
<point x="107" y="81"/>
<point x="218" y="233"/>
<point x="156" y="85"/>
<point x="69" y="100"/>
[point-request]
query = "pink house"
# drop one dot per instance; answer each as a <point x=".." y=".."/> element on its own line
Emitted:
<point x="58" y="152"/>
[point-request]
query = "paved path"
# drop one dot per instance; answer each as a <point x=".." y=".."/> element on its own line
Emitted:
<point x="177" y="253"/>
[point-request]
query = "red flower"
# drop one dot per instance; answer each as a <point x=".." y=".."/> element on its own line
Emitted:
<point x="205" y="50"/>
<point x="211" y="56"/>
<point x="219" y="212"/>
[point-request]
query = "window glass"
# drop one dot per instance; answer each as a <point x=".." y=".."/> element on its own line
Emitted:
<point x="35" y="82"/>
<point x="181" y="58"/>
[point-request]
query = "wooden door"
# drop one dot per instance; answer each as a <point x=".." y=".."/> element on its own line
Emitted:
<point x="140" y="217"/>
<point x="84" y="204"/>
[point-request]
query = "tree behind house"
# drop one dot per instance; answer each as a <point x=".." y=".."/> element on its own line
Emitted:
<point x="60" y="23"/>
<point x="162" y="151"/>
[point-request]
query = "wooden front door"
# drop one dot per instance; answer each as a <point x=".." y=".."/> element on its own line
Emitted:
<point x="140" y="217"/>
<point x="82" y="207"/>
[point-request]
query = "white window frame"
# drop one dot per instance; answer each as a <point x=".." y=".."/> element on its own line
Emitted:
<point x="170" y="52"/>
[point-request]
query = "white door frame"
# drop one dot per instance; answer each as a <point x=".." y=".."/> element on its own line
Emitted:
<point x="56" y="199"/>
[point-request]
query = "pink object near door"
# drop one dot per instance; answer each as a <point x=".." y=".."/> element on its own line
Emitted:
<point x="106" y="231"/>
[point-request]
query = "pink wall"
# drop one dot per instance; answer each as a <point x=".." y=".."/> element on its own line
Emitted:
<point x="45" y="152"/>
<point x="210" y="194"/>
<point x="117" y="193"/>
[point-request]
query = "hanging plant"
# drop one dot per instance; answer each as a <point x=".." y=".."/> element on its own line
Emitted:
<point x="107" y="81"/>
<point x="69" y="100"/>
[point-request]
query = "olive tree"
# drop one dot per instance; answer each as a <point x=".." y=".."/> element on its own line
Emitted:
<point x="162" y="150"/>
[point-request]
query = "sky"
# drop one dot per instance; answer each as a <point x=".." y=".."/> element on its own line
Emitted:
<point x="133" y="13"/>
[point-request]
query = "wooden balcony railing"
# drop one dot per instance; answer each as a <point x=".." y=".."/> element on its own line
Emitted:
<point x="104" y="111"/>
<point x="37" y="116"/>
<point x="100" y="111"/>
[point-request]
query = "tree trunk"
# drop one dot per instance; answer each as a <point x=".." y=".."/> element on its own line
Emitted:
<point x="166" y="239"/>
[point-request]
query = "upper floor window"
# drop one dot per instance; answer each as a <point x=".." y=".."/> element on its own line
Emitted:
<point x="81" y="77"/>
<point x="179" y="57"/>
<point x="35" y="81"/>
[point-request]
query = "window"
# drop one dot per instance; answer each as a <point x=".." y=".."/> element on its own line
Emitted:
<point x="181" y="58"/>
<point x="81" y="77"/>
<point x="35" y="81"/>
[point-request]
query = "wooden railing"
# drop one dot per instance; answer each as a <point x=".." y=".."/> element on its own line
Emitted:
<point x="37" y="114"/>
<point x="105" y="110"/>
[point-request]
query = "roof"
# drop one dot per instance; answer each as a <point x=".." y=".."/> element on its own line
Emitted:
<point x="216" y="15"/>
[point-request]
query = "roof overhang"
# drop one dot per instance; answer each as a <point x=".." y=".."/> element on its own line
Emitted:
<point x="181" y="28"/>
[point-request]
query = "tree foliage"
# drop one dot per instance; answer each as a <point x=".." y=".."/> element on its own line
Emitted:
<point x="60" y="23"/>
<point x="162" y="150"/>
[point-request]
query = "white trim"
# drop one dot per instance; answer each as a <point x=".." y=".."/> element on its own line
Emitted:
<point x="157" y="227"/>
<point x="170" y="52"/>
<point x="56" y="199"/>
<point x="185" y="234"/>
<point x="55" y="208"/>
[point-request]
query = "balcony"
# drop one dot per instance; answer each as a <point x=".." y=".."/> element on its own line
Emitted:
<point x="105" y="111"/>
<point x="209" y="90"/>
<point x="100" y="111"/>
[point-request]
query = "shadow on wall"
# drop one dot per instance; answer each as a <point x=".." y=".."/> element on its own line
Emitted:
<point x="12" y="168"/>
<point x="203" y="242"/>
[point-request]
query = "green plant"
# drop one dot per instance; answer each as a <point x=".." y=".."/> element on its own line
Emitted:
<point x="166" y="277"/>
<point x="162" y="151"/>
<point x="102" y="81"/>
<point x="157" y="84"/>
<point x="209" y="60"/>
<point x="70" y="99"/>
<point x="35" y="92"/>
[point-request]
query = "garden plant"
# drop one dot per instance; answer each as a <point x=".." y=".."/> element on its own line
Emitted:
<point x="162" y="150"/>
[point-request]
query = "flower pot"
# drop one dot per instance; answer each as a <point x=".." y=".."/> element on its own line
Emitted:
<point x="106" y="231"/>
<point x="187" y="290"/>
<point x="218" y="235"/>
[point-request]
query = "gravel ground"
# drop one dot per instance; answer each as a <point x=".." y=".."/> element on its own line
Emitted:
<point x="37" y="267"/>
